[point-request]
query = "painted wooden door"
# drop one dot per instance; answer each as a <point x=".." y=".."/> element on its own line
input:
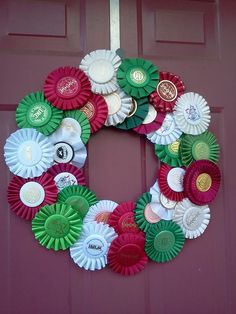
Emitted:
<point x="194" y="39"/>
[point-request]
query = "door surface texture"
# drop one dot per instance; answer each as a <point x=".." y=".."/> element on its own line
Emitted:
<point x="192" y="38"/>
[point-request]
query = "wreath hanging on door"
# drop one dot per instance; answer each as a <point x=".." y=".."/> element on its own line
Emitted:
<point x="47" y="153"/>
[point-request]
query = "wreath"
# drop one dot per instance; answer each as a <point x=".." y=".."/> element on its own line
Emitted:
<point x="47" y="153"/>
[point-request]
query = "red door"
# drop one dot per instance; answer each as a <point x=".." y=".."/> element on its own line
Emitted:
<point x="194" y="39"/>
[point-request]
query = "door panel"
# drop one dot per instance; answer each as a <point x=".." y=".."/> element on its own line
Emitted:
<point x="202" y="278"/>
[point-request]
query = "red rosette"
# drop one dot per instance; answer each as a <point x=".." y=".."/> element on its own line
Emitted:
<point x="169" y="88"/>
<point x="67" y="88"/>
<point x="96" y="111"/>
<point x="66" y="174"/>
<point x="170" y="180"/>
<point x="122" y="218"/>
<point x="126" y="254"/>
<point x="151" y="127"/>
<point x="27" y="196"/>
<point x="202" y="182"/>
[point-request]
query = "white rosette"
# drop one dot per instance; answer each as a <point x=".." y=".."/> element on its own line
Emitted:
<point x="119" y="107"/>
<point x="192" y="113"/>
<point x="68" y="147"/>
<point x="156" y="205"/>
<point x="100" y="67"/>
<point x="192" y="219"/>
<point x="90" y="251"/>
<point x="100" y="211"/>
<point x="28" y="153"/>
<point x="167" y="133"/>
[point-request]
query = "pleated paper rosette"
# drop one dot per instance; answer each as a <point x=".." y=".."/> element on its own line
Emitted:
<point x="192" y="113"/>
<point x="202" y="182"/>
<point x="137" y="114"/>
<point x="34" y="111"/>
<point x="96" y="111"/>
<point x="158" y="206"/>
<point x="77" y="124"/>
<point x="170" y="180"/>
<point x="126" y="255"/>
<point x="67" y="148"/>
<point x="144" y="213"/>
<point x="119" y="107"/>
<point x="167" y="133"/>
<point x="152" y="122"/>
<point x="137" y="77"/>
<point x="192" y="219"/>
<point x="67" y="88"/>
<point x="28" y="153"/>
<point x="122" y="218"/>
<point x="90" y="251"/>
<point x="170" y="154"/>
<point x="157" y="196"/>
<point x="65" y="174"/>
<point x="79" y="197"/>
<point x="57" y="226"/>
<point x="100" y="211"/>
<point x="169" y="88"/>
<point x="101" y="67"/>
<point x="27" y="196"/>
<point x="164" y="241"/>
<point x="196" y="147"/>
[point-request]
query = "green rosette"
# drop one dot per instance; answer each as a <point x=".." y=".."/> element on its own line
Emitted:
<point x="137" y="114"/>
<point x="196" y="147"/>
<point x="164" y="241"/>
<point x="34" y="111"/>
<point x="57" y="226"/>
<point x="169" y="154"/>
<point x="83" y="121"/>
<point x="137" y="77"/>
<point x="79" y="197"/>
<point x="144" y="217"/>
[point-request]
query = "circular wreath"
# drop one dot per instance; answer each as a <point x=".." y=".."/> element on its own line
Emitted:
<point x="47" y="153"/>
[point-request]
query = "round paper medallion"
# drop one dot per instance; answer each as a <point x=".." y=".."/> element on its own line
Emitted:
<point x="164" y="241"/>
<point x="157" y="206"/>
<point x="119" y="106"/>
<point x="57" y="226"/>
<point x="167" y="133"/>
<point x="100" y="211"/>
<point x="96" y="111"/>
<point x="101" y="67"/>
<point x="137" y="77"/>
<point x="68" y="148"/>
<point x="137" y="114"/>
<point x="152" y="122"/>
<point x="67" y="88"/>
<point x="34" y="111"/>
<point x="192" y="113"/>
<point x="90" y="251"/>
<point x="32" y="194"/>
<point x="26" y="196"/>
<point x="79" y="197"/>
<point x="77" y="124"/>
<point x="169" y="154"/>
<point x="65" y="174"/>
<point x="122" y="218"/>
<point x="126" y="254"/>
<point x="196" y="147"/>
<point x="171" y="182"/>
<point x="28" y="153"/>
<point x="144" y="214"/>
<point x="202" y="182"/>
<point x="192" y="219"/>
<point x="169" y="88"/>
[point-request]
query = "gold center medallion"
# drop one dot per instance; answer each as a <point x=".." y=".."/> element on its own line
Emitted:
<point x="204" y="182"/>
